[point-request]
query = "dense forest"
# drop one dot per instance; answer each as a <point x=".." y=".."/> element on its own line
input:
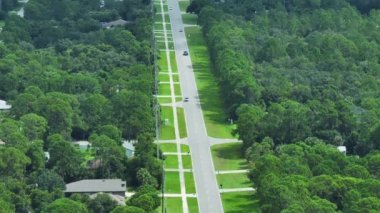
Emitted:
<point x="301" y="77"/>
<point x="68" y="78"/>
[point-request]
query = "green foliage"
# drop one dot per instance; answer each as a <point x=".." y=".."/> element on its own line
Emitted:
<point x="67" y="78"/>
<point x="145" y="198"/>
<point x="102" y="203"/>
<point x="65" y="160"/>
<point x="49" y="180"/>
<point x="128" y="209"/>
<point x="65" y="205"/>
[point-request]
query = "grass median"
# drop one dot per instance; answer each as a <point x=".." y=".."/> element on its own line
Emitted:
<point x="186" y="161"/>
<point x="181" y="123"/>
<point x="193" y="205"/>
<point x="190" y="184"/>
<point x="211" y="100"/>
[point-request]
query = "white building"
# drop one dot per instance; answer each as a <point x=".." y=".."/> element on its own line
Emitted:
<point x="4" y="106"/>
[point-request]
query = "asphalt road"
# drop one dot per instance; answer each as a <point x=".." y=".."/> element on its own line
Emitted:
<point x="207" y="189"/>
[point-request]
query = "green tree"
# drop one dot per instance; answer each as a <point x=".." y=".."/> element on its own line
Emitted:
<point x="63" y="205"/>
<point x="102" y="203"/>
<point x="128" y="209"/>
<point x="34" y="126"/>
<point x="12" y="162"/>
<point x="65" y="160"/>
<point x="49" y="180"/>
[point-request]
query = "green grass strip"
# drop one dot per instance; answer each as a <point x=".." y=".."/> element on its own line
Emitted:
<point x="168" y="147"/>
<point x="186" y="162"/>
<point x="240" y="202"/>
<point x="185" y="148"/>
<point x="212" y="106"/>
<point x="229" y="181"/>
<point x="189" y="19"/>
<point x="183" y="5"/>
<point x="171" y="162"/>
<point x="164" y="89"/>
<point x="193" y="205"/>
<point x="228" y="157"/>
<point x="173" y="205"/>
<point x="167" y="125"/>
<point x="172" y="184"/>
<point x="181" y="123"/>
<point x="190" y="184"/>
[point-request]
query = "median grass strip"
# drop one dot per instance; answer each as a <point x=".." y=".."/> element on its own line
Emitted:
<point x="173" y="205"/>
<point x="186" y="161"/>
<point x="189" y="180"/>
<point x="172" y="184"/>
<point x="173" y="61"/>
<point x="181" y="122"/>
<point x="240" y="202"/>
<point x="171" y="162"/>
<point x="229" y="181"/>
<point x="228" y="157"/>
<point x="211" y="100"/>
<point x="167" y="126"/>
<point x="177" y="89"/>
<point x="193" y="205"/>
<point x="185" y="148"/>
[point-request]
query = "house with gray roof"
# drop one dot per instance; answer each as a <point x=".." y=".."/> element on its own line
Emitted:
<point x="116" y="23"/>
<point x="93" y="186"/>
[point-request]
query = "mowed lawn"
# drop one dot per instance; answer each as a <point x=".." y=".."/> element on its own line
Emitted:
<point x="183" y="5"/>
<point x="228" y="157"/>
<point x="181" y="123"/>
<point x="172" y="184"/>
<point x="168" y="147"/>
<point x="171" y="162"/>
<point x="193" y="205"/>
<point x="240" y="202"/>
<point x="173" y="205"/>
<point x="189" y="19"/>
<point x="215" y="117"/>
<point x="230" y="181"/>
<point x="190" y="184"/>
<point x="167" y="125"/>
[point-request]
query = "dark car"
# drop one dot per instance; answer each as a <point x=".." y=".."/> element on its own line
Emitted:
<point x="180" y="31"/>
<point x="185" y="53"/>
<point x="186" y="99"/>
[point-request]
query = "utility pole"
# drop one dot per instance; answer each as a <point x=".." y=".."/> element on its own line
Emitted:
<point x="156" y="106"/>
<point x="163" y="185"/>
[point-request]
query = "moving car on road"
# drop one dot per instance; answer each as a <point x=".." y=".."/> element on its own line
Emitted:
<point x="185" y="53"/>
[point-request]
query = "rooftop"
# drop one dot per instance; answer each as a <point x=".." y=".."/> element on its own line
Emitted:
<point x="4" y="105"/>
<point x="96" y="185"/>
<point x="119" y="22"/>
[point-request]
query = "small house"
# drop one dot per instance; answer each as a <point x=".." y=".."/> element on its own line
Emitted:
<point x="93" y="186"/>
